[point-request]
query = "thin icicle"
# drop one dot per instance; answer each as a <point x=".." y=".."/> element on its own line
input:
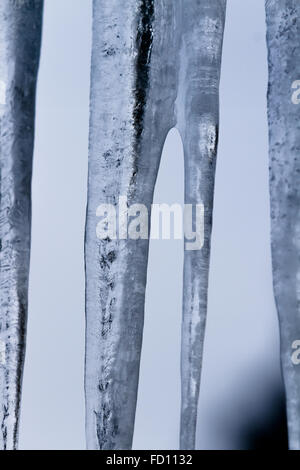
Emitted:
<point x="20" y="35"/>
<point x="201" y="52"/>
<point x="283" y="39"/>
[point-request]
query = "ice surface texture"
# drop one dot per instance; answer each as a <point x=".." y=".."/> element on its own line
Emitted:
<point x="155" y="65"/>
<point x="20" y="35"/>
<point x="283" y="39"/>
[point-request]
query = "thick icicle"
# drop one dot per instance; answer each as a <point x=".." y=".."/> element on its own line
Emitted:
<point x="131" y="113"/>
<point x="155" y="64"/>
<point x="20" y="36"/>
<point x="198" y="123"/>
<point x="283" y="39"/>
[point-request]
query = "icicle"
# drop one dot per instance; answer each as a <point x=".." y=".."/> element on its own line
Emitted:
<point x="283" y="40"/>
<point x="198" y="110"/>
<point x="20" y="35"/>
<point x="155" y="64"/>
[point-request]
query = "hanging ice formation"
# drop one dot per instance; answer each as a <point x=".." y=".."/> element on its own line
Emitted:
<point x="155" y="65"/>
<point x="20" y="37"/>
<point x="283" y="40"/>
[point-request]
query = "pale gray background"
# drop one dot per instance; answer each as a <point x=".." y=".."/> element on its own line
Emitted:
<point x="241" y="384"/>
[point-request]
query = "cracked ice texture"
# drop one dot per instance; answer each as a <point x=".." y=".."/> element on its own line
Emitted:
<point x="20" y="35"/>
<point x="283" y="39"/>
<point x="155" y="65"/>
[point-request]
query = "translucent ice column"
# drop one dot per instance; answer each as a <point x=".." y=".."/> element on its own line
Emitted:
<point x="283" y="39"/>
<point x="155" y="65"/>
<point x="20" y="36"/>
<point x="198" y="121"/>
